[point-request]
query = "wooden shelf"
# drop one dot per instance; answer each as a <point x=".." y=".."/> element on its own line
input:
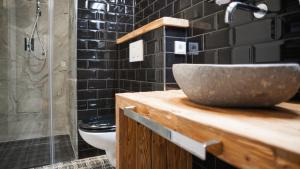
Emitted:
<point x="251" y="138"/>
<point x="165" y="21"/>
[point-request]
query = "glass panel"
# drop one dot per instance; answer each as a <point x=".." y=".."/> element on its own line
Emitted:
<point x="24" y="120"/>
<point x="29" y="132"/>
<point x="64" y="81"/>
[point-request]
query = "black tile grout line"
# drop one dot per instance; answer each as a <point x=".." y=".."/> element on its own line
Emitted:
<point x="33" y="149"/>
<point x="164" y="55"/>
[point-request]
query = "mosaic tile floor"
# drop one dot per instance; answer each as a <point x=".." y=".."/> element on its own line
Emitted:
<point x="98" y="162"/>
<point x="34" y="152"/>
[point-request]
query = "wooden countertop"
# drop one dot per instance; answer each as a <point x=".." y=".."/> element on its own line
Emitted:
<point x="165" y="21"/>
<point x="251" y="138"/>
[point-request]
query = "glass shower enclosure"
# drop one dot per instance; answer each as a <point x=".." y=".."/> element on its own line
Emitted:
<point x="37" y="82"/>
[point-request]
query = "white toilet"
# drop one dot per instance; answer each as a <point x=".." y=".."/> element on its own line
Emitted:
<point x="100" y="133"/>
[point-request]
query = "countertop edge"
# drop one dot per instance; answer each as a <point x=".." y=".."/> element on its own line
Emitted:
<point x="277" y="153"/>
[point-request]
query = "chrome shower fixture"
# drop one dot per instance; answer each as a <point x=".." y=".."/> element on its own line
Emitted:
<point x="259" y="11"/>
<point x="29" y="44"/>
<point x="38" y="7"/>
<point x="30" y="38"/>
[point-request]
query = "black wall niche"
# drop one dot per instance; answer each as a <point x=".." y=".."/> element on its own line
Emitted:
<point x="100" y="23"/>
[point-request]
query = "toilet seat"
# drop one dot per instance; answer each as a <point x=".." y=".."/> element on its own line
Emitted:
<point x="98" y="125"/>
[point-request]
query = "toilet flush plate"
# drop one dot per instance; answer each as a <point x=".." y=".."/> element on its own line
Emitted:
<point x="136" y="51"/>
<point x="180" y="48"/>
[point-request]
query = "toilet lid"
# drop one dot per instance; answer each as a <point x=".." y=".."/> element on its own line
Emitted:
<point x="98" y="124"/>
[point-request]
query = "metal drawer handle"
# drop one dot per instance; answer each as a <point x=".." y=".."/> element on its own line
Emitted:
<point x="194" y="147"/>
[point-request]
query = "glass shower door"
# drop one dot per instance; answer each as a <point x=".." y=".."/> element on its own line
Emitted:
<point x="24" y="83"/>
<point x="37" y="91"/>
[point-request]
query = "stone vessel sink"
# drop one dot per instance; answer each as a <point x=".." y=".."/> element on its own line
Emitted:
<point x="255" y="85"/>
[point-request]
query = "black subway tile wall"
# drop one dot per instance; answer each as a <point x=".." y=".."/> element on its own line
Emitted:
<point x="147" y="75"/>
<point x="100" y="23"/>
<point x="104" y="67"/>
<point x="276" y="31"/>
<point x="172" y="35"/>
<point x="155" y="71"/>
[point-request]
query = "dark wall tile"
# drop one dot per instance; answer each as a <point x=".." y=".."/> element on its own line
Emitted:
<point x="82" y="44"/>
<point x="221" y="21"/>
<point x="106" y="93"/>
<point x="86" y="74"/>
<point x="242" y="55"/>
<point x="268" y="52"/>
<point x="143" y="4"/>
<point x="99" y="24"/>
<point x="86" y="94"/>
<point x="181" y="4"/>
<point x="169" y="76"/>
<point x="194" y="12"/>
<point x="96" y="84"/>
<point x="82" y="64"/>
<point x="81" y="84"/>
<point x="207" y="57"/>
<point x="210" y="8"/>
<point x="290" y="5"/>
<point x="290" y="51"/>
<point x="273" y="5"/>
<point x="159" y="4"/>
<point x="154" y="16"/>
<point x="81" y="105"/>
<point x="82" y="4"/>
<point x="224" y="56"/>
<point x="196" y="1"/>
<point x="175" y="32"/>
<point x="217" y="39"/>
<point x="82" y="24"/>
<point x="148" y="11"/>
<point x="100" y="6"/>
<point x="255" y="32"/>
<point x="291" y="25"/>
<point x="204" y="25"/>
<point x="86" y="14"/>
<point x="86" y="115"/>
<point x="241" y="17"/>
<point x="172" y="58"/>
<point x="167" y="11"/>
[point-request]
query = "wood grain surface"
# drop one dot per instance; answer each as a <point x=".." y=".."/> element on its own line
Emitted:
<point x="165" y="21"/>
<point x="251" y="138"/>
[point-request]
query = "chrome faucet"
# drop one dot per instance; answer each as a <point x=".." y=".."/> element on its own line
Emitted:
<point x="259" y="11"/>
